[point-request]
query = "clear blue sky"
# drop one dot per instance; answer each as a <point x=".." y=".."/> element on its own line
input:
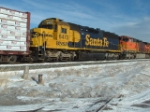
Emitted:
<point x="123" y="17"/>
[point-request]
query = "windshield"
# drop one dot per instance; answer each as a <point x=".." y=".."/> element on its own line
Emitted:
<point x="125" y="39"/>
<point x="46" y="26"/>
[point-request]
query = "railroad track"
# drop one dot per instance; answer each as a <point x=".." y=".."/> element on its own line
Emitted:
<point x="16" y="67"/>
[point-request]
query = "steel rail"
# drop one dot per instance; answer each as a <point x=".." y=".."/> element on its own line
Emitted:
<point x="16" y="67"/>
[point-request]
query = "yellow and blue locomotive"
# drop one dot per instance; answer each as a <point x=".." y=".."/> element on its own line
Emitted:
<point x="56" y="40"/>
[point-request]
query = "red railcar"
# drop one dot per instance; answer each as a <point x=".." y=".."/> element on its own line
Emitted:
<point x="141" y="46"/>
<point x="14" y="34"/>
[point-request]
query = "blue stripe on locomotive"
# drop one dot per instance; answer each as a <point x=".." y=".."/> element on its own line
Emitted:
<point x="93" y="34"/>
<point x="96" y="34"/>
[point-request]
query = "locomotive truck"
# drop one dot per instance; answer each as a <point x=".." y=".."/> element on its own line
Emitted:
<point x="57" y="40"/>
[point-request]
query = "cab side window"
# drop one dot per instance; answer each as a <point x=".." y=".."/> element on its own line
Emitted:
<point x="63" y="30"/>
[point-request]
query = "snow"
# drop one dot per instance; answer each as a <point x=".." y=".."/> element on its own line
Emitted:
<point x="85" y="88"/>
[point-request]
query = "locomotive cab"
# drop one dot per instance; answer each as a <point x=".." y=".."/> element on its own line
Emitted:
<point x="51" y="36"/>
<point x="40" y="34"/>
<point x="129" y="46"/>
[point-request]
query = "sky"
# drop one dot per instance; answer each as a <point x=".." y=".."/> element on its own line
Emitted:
<point x="123" y="17"/>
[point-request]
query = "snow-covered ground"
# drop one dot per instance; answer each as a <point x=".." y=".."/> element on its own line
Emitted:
<point x="112" y="88"/>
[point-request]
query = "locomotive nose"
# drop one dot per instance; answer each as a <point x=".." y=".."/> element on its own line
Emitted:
<point x="34" y="33"/>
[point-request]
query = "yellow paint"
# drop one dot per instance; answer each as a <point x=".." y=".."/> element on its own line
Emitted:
<point x="59" y="39"/>
<point x="54" y="38"/>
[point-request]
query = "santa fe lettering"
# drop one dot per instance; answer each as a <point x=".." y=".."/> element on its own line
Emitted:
<point x="96" y="41"/>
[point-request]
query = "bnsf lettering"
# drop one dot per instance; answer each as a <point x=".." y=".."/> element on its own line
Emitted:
<point x="61" y="43"/>
<point x="96" y="41"/>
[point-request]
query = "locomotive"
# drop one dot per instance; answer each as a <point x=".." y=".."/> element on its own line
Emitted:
<point x="57" y="40"/>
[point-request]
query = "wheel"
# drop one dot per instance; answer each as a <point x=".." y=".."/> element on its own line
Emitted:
<point x="31" y="60"/>
<point x="12" y="59"/>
